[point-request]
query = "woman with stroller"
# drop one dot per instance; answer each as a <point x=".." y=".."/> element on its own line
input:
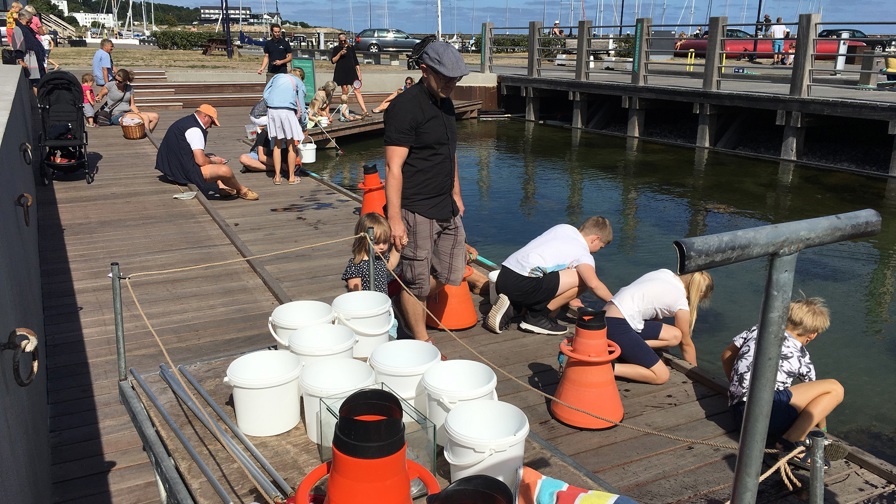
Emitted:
<point x="119" y="96"/>
<point x="29" y="51"/>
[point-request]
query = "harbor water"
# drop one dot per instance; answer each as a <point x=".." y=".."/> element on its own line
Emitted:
<point x="518" y="179"/>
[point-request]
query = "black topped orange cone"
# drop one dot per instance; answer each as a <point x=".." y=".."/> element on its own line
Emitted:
<point x="588" y="382"/>
<point x="370" y="462"/>
<point x="374" y="192"/>
<point x="453" y="306"/>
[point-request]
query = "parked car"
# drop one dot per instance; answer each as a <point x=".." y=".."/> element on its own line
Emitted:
<point x="875" y="43"/>
<point x="740" y="44"/>
<point x="384" y="39"/>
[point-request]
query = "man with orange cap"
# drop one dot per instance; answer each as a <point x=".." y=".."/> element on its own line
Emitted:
<point x="182" y="156"/>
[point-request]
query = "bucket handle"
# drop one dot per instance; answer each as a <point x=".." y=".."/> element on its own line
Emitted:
<point x="448" y="403"/>
<point x="274" y="333"/>
<point x="484" y="455"/>
<point x="415" y="471"/>
<point x="345" y="321"/>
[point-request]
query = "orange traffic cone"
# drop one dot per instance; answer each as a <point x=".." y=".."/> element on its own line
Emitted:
<point x="369" y="455"/>
<point x="374" y="192"/>
<point x="588" y="382"/>
<point x="453" y="306"/>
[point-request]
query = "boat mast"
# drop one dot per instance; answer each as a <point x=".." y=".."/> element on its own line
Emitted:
<point x="439" y="20"/>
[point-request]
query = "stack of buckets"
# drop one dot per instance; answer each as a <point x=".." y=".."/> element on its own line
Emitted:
<point x="480" y="434"/>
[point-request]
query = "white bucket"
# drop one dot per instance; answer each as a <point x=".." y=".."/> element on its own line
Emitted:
<point x="492" y="293"/>
<point x="288" y="317"/>
<point x="400" y="364"/>
<point x="330" y="378"/>
<point x="323" y="122"/>
<point x="448" y="383"/>
<point x="369" y="314"/>
<point x="265" y="391"/>
<point x="486" y="437"/>
<point x="322" y="342"/>
<point x="308" y="152"/>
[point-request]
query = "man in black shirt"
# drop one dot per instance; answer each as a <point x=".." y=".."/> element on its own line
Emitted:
<point x="423" y="199"/>
<point x="277" y="53"/>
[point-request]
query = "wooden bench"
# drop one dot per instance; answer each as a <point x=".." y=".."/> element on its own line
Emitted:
<point x="214" y="45"/>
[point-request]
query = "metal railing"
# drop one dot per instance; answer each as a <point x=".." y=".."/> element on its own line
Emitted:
<point x="728" y="57"/>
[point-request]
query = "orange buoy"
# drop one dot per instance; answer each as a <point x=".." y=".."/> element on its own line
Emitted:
<point x="374" y="199"/>
<point x="370" y="461"/>
<point x="453" y="306"/>
<point x="588" y="382"/>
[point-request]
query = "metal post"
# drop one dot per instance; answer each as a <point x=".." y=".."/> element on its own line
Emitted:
<point x="841" y="53"/>
<point x="371" y="259"/>
<point x="816" y="470"/>
<point x="119" y="323"/>
<point x="775" y="303"/>
<point x="782" y="242"/>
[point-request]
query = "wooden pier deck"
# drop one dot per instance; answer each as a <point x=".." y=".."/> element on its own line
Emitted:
<point x="205" y="315"/>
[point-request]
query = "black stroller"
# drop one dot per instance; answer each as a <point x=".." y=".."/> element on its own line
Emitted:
<point x="63" y="137"/>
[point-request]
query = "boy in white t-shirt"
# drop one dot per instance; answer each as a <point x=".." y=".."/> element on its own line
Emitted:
<point x="547" y="274"/>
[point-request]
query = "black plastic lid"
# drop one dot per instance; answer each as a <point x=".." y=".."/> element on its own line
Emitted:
<point x="370" y="169"/>
<point x="475" y="489"/>
<point x="370" y="439"/>
<point x="591" y="320"/>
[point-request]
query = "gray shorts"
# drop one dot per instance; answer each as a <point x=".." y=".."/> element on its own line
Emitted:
<point x="88" y="110"/>
<point x="435" y="248"/>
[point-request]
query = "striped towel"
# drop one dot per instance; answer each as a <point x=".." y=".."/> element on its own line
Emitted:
<point x="536" y="488"/>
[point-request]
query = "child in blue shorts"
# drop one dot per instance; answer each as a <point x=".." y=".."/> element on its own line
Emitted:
<point x="796" y="409"/>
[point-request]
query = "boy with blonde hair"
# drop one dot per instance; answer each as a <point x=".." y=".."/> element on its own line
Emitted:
<point x="799" y="408"/>
<point x="547" y="274"/>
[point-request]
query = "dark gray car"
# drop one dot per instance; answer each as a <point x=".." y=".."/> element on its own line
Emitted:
<point x="384" y="39"/>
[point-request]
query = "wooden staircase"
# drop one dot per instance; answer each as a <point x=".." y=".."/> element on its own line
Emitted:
<point x="154" y="92"/>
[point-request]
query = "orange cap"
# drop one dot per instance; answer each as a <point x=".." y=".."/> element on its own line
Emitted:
<point x="205" y="108"/>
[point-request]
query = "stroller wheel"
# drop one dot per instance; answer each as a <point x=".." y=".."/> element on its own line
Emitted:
<point x="89" y="177"/>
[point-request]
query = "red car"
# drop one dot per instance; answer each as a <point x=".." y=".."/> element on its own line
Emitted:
<point x="740" y="44"/>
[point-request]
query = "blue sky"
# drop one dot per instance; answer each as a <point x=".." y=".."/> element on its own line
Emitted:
<point x="466" y="16"/>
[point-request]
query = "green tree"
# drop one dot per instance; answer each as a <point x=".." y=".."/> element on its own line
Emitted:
<point x="72" y="21"/>
<point x="304" y="24"/>
<point x="46" y="7"/>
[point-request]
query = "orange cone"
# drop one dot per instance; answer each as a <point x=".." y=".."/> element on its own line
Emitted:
<point x="369" y="455"/>
<point x="588" y="382"/>
<point x="453" y="306"/>
<point x="374" y="192"/>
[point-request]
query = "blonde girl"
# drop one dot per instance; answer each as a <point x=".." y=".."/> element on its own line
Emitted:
<point x="634" y="317"/>
<point x="320" y="102"/>
<point x="357" y="271"/>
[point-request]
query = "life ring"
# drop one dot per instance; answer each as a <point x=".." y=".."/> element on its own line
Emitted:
<point x="27" y="344"/>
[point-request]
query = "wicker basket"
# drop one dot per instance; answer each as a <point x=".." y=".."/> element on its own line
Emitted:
<point x="133" y="131"/>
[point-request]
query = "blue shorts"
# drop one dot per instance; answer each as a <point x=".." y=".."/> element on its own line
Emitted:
<point x="777" y="46"/>
<point x="633" y="345"/>
<point x="782" y="417"/>
<point x="116" y="119"/>
<point x="253" y="155"/>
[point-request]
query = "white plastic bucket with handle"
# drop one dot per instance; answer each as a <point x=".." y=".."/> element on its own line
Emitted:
<point x="288" y="317"/>
<point x="492" y="293"/>
<point x="486" y="437"/>
<point x="265" y="391"/>
<point x="322" y="342"/>
<point x="400" y="364"/>
<point x="369" y="314"/>
<point x="449" y="383"/>
<point x="331" y="378"/>
<point x="308" y="152"/>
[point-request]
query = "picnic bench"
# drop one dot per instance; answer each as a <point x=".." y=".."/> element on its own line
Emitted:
<point x="214" y="45"/>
